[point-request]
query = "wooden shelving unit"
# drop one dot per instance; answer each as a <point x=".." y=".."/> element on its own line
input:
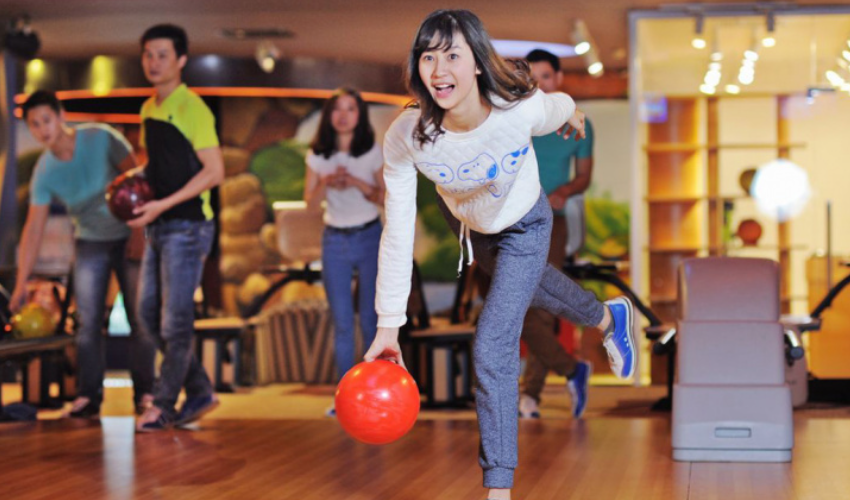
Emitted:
<point x="685" y="205"/>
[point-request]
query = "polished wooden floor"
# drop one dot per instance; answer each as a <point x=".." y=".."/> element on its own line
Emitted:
<point x="602" y="458"/>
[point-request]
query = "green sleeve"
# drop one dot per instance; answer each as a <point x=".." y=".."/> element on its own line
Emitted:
<point x="203" y="127"/>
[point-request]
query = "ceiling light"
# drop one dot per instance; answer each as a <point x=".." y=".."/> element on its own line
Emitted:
<point x="751" y="55"/>
<point x="20" y="39"/>
<point x="733" y="89"/>
<point x="267" y="55"/>
<point x="768" y="40"/>
<point x="707" y="89"/>
<point x="846" y="54"/>
<point x="715" y="66"/>
<point x="834" y="78"/>
<point x="582" y="48"/>
<point x="698" y="41"/>
<point x="581" y="38"/>
<point x="596" y="68"/>
<point x="587" y="48"/>
<point x="746" y="78"/>
<point x="716" y="56"/>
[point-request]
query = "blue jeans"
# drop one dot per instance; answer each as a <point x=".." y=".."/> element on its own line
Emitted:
<point x="171" y="271"/>
<point x="94" y="263"/>
<point x="343" y="252"/>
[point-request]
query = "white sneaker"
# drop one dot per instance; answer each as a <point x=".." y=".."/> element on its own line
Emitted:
<point x="528" y="407"/>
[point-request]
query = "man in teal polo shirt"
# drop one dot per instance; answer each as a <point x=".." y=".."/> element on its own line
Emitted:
<point x="76" y="167"/>
<point x="555" y="158"/>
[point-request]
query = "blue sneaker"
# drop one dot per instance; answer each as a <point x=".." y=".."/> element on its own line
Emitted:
<point x="621" y="342"/>
<point x="195" y="408"/>
<point x="578" y="387"/>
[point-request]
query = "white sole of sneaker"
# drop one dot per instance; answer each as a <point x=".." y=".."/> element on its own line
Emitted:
<point x="631" y="312"/>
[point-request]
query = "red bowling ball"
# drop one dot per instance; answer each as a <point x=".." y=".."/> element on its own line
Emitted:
<point x="377" y="402"/>
<point x="127" y="192"/>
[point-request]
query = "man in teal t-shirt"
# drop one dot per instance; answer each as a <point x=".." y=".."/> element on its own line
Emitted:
<point x="555" y="158"/>
<point x="75" y="169"/>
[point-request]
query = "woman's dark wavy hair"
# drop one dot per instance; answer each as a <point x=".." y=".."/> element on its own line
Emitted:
<point x="507" y="80"/>
<point x="324" y="143"/>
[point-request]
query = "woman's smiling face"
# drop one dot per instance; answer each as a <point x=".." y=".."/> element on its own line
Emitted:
<point x="450" y="74"/>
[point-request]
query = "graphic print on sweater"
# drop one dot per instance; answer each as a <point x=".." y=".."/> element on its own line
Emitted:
<point x="483" y="171"/>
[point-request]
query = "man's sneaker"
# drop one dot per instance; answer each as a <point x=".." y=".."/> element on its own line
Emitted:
<point x="154" y="420"/>
<point x="528" y="407"/>
<point x="621" y="342"/>
<point x="83" y="407"/>
<point x="195" y="408"/>
<point x="330" y="411"/>
<point x="578" y="387"/>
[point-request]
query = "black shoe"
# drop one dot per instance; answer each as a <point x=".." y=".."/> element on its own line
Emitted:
<point x="195" y="408"/>
<point x="83" y="407"/>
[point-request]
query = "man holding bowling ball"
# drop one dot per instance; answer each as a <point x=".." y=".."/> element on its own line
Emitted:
<point x="184" y="163"/>
<point x="75" y="168"/>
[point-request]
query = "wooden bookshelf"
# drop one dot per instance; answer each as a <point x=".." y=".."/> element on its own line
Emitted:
<point x="685" y="207"/>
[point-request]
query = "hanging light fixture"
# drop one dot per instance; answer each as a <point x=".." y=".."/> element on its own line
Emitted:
<point x="267" y="55"/>
<point x="698" y="41"/>
<point x="768" y="40"/>
<point x="586" y="47"/>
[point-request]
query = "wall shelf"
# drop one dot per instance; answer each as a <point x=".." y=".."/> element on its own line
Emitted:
<point x="673" y="147"/>
<point x="684" y="204"/>
<point x="758" y="145"/>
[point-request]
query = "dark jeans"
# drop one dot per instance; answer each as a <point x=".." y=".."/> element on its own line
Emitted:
<point x="171" y="271"/>
<point x="343" y="253"/>
<point x="95" y="262"/>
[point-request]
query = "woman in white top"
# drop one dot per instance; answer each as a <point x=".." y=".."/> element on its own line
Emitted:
<point x="344" y="170"/>
<point x="470" y="134"/>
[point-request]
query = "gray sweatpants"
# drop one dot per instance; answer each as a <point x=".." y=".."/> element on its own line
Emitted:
<point x="516" y="260"/>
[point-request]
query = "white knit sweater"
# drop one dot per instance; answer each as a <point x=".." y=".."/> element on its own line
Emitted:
<point x="488" y="178"/>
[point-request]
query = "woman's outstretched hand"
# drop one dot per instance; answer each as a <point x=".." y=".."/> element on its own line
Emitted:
<point x="385" y="346"/>
<point x="576" y="122"/>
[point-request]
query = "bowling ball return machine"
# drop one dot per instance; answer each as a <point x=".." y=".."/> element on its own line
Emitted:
<point x="17" y="355"/>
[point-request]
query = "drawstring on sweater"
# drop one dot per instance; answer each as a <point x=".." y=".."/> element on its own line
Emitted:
<point x="464" y="234"/>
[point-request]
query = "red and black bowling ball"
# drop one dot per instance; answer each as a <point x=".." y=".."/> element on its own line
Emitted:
<point x="128" y="191"/>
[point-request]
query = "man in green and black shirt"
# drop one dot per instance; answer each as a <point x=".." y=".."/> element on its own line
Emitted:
<point x="184" y="163"/>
